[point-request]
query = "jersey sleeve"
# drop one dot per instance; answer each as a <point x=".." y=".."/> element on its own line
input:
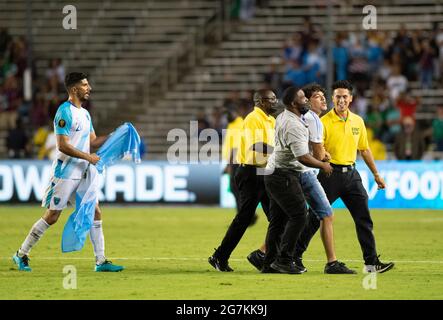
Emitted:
<point x="63" y="121"/>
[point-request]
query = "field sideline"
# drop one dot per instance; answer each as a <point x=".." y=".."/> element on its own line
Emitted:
<point x="165" y="253"/>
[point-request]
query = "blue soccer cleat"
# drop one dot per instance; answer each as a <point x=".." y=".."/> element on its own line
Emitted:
<point x="107" y="266"/>
<point x="22" y="263"/>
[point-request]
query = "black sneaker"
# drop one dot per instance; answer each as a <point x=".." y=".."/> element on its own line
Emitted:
<point x="268" y="269"/>
<point x="256" y="258"/>
<point x="338" y="267"/>
<point x="378" y="266"/>
<point x="219" y="265"/>
<point x="288" y="267"/>
<point x="298" y="262"/>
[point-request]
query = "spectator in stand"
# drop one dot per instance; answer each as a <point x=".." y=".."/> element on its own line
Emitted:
<point x="50" y="146"/>
<point x="19" y="55"/>
<point x="247" y="9"/>
<point x="358" y="65"/>
<point x="4" y="107"/>
<point x="439" y="43"/>
<point x="426" y="65"/>
<point x="409" y="143"/>
<point x="312" y="64"/>
<point x="293" y="49"/>
<point x="17" y="142"/>
<point x="377" y="147"/>
<point x="202" y="121"/>
<point x="379" y="98"/>
<point x="341" y="58"/>
<point x="374" y="121"/>
<point x="407" y="104"/>
<point x="375" y="55"/>
<point x="232" y="101"/>
<point x="384" y="71"/>
<point x="56" y="70"/>
<point x="40" y="137"/>
<point x="39" y="110"/>
<point x="396" y="83"/>
<point x="398" y="50"/>
<point x="5" y="40"/>
<point x="218" y="121"/>
<point x="360" y="104"/>
<point x="410" y="56"/>
<point x="309" y="32"/>
<point x="12" y="94"/>
<point x="437" y="129"/>
<point x="294" y="76"/>
<point x="273" y="78"/>
<point x="391" y="124"/>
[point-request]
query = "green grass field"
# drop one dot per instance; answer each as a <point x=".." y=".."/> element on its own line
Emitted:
<point x="165" y="253"/>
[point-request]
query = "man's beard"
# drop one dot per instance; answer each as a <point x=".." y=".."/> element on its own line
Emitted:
<point x="304" y="109"/>
<point x="83" y="98"/>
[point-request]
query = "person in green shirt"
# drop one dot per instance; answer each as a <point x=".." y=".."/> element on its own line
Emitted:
<point x="437" y="129"/>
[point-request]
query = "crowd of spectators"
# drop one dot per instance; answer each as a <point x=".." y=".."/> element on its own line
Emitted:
<point x="388" y="70"/>
<point x="382" y="66"/>
<point x="28" y="123"/>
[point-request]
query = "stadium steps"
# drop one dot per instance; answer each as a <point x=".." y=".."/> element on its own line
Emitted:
<point x="241" y="60"/>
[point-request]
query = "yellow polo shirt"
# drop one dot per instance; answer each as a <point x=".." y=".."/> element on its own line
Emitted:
<point x="342" y="138"/>
<point x="232" y="139"/>
<point x="257" y="127"/>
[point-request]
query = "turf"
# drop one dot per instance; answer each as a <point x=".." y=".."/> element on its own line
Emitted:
<point x="165" y="253"/>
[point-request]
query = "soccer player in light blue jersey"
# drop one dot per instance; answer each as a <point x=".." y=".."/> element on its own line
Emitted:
<point x="75" y="136"/>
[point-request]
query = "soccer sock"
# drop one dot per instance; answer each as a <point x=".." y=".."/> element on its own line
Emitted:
<point x="34" y="235"/>
<point x="98" y="241"/>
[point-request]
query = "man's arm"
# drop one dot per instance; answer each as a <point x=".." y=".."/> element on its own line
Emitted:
<point x="369" y="160"/>
<point x="310" y="161"/>
<point x="65" y="147"/>
<point x="96" y="142"/>
<point x="318" y="151"/>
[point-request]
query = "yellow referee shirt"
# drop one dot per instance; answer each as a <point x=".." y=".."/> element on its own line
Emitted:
<point x="257" y="127"/>
<point x="232" y="139"/>
<point x="342" y="138"/>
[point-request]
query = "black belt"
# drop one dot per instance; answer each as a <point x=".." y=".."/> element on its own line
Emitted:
<point x="285" y="171"/>
<point x="251" y="166"/>
<point x="342" y="168"/>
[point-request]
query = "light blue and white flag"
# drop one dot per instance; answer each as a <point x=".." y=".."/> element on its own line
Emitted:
<point x="123" y="143"/>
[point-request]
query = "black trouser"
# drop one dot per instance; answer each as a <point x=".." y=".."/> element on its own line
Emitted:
<point x="287" y="215"/>
<point x="347" y="186"/>
<point x="252" y="192"/>
<point x="233" y="186"/>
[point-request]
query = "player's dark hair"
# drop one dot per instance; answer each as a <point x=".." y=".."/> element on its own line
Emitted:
<point x="309" y="89"/>
<point x="343" y="84"/>
<point x="289" y="95"/>
<point x="73" y="78"/>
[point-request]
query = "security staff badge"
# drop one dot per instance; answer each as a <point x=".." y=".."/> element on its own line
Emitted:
<point x="355" y="131"/>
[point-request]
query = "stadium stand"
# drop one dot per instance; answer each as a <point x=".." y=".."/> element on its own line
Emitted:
<point x="160" y="64"/>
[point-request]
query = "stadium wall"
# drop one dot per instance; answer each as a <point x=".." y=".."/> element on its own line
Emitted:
<point x="412" y="184"/>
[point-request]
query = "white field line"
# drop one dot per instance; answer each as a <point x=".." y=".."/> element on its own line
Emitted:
<point x="205" y="259"/>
